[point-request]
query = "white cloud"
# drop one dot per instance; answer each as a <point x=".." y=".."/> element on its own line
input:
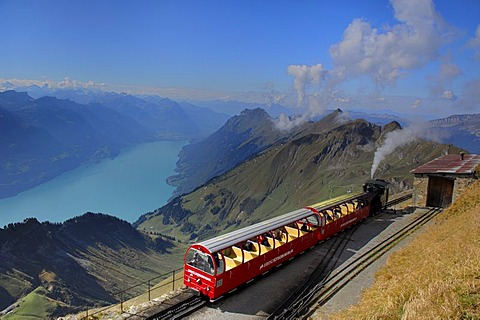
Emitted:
<point x="65" y="83"/>
<point x="305" y="76"/>
<point x="386" y="55"/>
<point x="383" y="55"/>
<point x="449" y="95"/>
<point x="286" y="123"/>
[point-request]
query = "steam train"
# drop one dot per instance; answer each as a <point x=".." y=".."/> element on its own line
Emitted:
<point x="216" y="266"/>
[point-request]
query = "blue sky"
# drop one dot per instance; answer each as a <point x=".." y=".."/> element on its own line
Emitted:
<point x="241" y="46"/>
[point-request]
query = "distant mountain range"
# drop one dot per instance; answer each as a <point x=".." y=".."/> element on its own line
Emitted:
<point x="42" y="138"/>
<point x="460" y="130"/>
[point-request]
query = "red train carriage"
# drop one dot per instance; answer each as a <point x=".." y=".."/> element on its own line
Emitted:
<point x="216" y="266"/>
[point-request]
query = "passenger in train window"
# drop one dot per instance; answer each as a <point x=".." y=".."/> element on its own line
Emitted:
<point x="277" y="234"/>
<point x="304" y="227"/>
<point x="248" y="245"/>
<point x="194" y="261"/>
<point x="262" y="239"/>
<point x="337" y="212"/>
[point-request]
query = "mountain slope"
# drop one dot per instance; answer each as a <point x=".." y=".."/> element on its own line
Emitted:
<point x="80" y="262"/>
<point x="460" y="130"/>
<point x="24" y="147"/>
<point x="241" y="137"/>
<point x="323" y="160"/>
<point x="42" y="138"/>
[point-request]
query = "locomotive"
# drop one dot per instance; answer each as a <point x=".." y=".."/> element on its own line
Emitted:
<point x="219" y="265"/>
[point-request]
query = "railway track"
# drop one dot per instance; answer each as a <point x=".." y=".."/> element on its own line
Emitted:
<point x="180" y="310"/>
<point x="307" y="292"/>
<point x="335" y="281"/>
<point x="398" y="200"/>
<point x="335" y="250"/>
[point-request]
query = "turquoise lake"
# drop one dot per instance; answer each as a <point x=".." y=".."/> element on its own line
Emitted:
<point x="126" y="186"/>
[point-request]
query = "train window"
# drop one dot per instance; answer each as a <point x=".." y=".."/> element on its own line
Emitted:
<point x="200" y="260"/>
<point x="313" y="221"/>
<point x="219" y="262"/>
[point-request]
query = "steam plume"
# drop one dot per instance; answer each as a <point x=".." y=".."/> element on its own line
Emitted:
<point x="396" y="139"/>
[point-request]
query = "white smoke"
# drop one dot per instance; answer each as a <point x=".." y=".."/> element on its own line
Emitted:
<point x="399" y="138"/>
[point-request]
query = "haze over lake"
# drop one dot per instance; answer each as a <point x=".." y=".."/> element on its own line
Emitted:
<point x="127" y="186"/>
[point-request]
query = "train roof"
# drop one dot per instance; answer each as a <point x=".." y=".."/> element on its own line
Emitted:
<point x="238" y="236"/>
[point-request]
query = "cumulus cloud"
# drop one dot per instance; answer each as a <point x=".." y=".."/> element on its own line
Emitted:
<point x="304" y="76"/>
<point x="449" y="95"/>
<point x="386" y="55"/>
<point x="383" y="55"/>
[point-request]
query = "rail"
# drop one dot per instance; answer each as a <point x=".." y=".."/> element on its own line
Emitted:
<point x="189" y="305"/>
<point x="398" y="200"/>
<point x="179" y="310"/>
<point x="152" y="286"/>
<point x="321" y="271"/>
<point x="326" y="289"/>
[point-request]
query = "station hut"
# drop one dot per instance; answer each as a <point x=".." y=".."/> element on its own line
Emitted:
<point x="439" y="182"/>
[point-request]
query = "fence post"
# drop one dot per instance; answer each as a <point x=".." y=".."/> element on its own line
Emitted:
<point x="173" y="282"/>
<point x="148" y="290"/>
<point x="121" y="302"/>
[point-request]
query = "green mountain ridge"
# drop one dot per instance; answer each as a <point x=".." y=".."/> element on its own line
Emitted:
<point x="82" y="262"/>
<point x="319" y="161"/>
<point x="241" y="137"/>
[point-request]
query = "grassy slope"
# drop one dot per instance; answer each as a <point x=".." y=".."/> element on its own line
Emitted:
<point x="35" y="305"/>
<point x="437" y="276"/>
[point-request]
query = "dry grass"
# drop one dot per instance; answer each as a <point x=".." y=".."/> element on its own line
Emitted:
<point x="437" y="276"/>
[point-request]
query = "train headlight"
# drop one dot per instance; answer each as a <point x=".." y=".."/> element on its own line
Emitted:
<point x="198" y="281"/>
<point x="208" y="288"/>
<point x="188" y="279"/>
